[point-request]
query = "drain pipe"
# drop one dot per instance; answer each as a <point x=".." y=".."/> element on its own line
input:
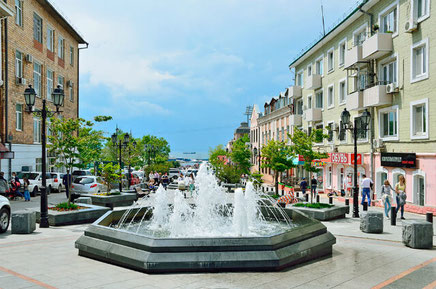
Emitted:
<point x="371" y="16"/>
<point x="6" y="89"/>
<point x="372" y="165"/>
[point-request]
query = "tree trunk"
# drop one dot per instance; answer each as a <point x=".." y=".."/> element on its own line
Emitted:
<point x="277" y="183"/>
<point x="68" y="187"/>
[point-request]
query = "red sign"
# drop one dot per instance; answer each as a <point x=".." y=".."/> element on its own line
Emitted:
<point x="345" y="158"/>
<point x="359" y="159"/>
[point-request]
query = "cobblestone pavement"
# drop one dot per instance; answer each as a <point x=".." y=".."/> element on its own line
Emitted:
<point x="47" y="259"/>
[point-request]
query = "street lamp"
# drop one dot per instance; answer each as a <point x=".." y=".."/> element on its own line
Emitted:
<point x="58" y="100"/>
<point x="364" y="120"/>
<point x="150" y="149"/>
<point x="120" y="144"/>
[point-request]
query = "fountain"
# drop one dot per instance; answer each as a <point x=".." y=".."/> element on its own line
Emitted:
<point x="208" y="232"/>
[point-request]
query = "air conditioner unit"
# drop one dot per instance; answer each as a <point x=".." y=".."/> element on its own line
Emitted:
<point x="379" y="143"/>
<point x="20" y="81"/>
<point x="70" y="83"/>
<point x="411" y="25"/>
<point x="29" y="58"/>
<point x="391" y="88"/>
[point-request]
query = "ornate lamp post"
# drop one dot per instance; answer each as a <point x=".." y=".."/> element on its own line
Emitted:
<point x="151" y="150"/>
<point x="129" y="175"/>
<point x="346" y="124"/>
<point x="58" y="100"/>
<point x="120" y="144"/>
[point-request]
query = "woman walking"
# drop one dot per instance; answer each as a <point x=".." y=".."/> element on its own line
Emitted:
<point x="386" y="197"/>
<point x="26" y="184"/>
<point x="400" y="189"/>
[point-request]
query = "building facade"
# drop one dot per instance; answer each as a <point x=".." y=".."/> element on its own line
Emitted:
<point x="39" y="48"/>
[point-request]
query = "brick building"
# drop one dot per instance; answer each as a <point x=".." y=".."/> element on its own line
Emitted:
<point x="39" y="48"/>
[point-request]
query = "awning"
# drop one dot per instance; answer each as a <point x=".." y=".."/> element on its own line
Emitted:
<point x="5" y="153"/>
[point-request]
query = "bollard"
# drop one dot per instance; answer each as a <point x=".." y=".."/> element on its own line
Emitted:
<point x="393" y="216"/>
<point x="347" y="203"/>
<point x="317" y="198"/>
<point x="307" y="198"/>
<point x="365" y="206"/>
<point x="429" y="217"/>
<point x="298" y="194"/>
<point x="331" y="200"/>
<point x="283" y="192"/>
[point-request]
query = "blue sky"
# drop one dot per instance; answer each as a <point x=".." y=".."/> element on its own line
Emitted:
<point x="186" y="69"/>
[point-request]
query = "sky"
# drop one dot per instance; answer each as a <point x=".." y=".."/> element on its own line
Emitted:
<point x="185" y="70"/>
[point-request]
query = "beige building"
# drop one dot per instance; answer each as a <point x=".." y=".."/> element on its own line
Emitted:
<point x="39" y="48"/>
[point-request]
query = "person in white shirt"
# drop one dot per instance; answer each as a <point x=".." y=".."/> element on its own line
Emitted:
<point x="366" y="185"/>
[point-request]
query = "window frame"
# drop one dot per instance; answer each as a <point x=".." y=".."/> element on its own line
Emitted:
<point x="333" y="132"/>
<point x="63" y="81"/>
<point x="387" y="61"/>
<point x="300" y="73"/>
<point x="309" y="103"/>
<point x="61" y="48"/>
<point x="49" y="89"/>
<point x="311" y="70"/>
<point x="321" y="90"/>
<point x="414" y="12"/>
<point x="413" y="104"/>
<point x="331" y="52"/>
<point x="395" y="109"/>
<point x="41" y="34"/>
<point x="38" y="90"/>
<point x="329" y="177"/>
<point x="331" y="105"/>
<point x="343" y="80"/>
<point x="413" y="77"/>
<point x="71" y="93"/>
<point x="19" y="64"/>
<point x="320" y="59"/>
<point x="37" y="137"/>
<point x="71" y="55"/>
<point x="19" y="12"/>
<point x="19" y="116"/>
<point x="343" y="42"/>
<point x="51" y="33"/>
<point x="363" y="27"/>
<point x="386" y="11"/>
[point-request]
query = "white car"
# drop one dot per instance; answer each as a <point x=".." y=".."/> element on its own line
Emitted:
<point x="57" y="181"/>
<point x="88" y="185"/>
<point x="35" y="181"/>
<point x="5" y="214"/>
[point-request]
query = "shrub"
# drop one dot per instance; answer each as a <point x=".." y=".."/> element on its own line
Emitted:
<point x="313" y="205"/>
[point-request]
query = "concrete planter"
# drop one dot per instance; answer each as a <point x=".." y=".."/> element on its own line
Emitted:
<point x="125" y="199"/>
<point x="84" y="216"/>
<point x="327" y="214"/>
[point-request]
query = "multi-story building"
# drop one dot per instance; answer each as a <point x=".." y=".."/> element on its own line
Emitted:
<point x="242" y="130"/>
<point x="39" y="48"/>
<point x="381" y="57"/>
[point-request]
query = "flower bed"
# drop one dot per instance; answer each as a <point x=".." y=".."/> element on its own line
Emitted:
<point x="64" y="207"/>
<point x="321" y="212"/>
<point x="313" y="205"/>
<point x="108" y="194"/>
<point x="82" y="215"/>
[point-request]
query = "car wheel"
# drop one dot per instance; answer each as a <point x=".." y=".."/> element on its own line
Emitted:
<point x="4" y="220"/>
<point x="35" y="191"/>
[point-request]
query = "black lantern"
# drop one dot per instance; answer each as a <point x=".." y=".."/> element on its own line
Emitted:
<point x="29" y="97"/>
<point x="366" y="118"/>
<point x="58" y="97"/>
<point x="345" y="117"/>
<point x="126" y="138"/>
<point x="114" y="138"/>
<point x="134" y="144"/>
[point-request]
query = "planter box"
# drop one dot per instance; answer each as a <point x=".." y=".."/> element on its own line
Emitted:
<point x="335" y="212"/>
<point x="84" y="216"/>
<point x="125" y="199"/>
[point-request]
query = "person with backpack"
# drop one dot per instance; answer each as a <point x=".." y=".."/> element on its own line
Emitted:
<point x="15" y="188"/>
<point x="303" y="186"/>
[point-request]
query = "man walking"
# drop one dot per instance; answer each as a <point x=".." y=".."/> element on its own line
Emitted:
<point x="313" y="186"/>
<point x="366" y="189"/>
<point x="303" y="186"/>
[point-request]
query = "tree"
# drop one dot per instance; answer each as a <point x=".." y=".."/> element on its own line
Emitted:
<point x="241" y="154"/>
<point x="277" y="156"/>
<point x="302" y="144"/>
<point x="90" y="145"/>
<point x="111" y="174"/>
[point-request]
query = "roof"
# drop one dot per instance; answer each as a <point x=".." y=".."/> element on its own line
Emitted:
<point x="243" y="128"/>
<point x="47" y="5"/>
<point x="332" y="32"/>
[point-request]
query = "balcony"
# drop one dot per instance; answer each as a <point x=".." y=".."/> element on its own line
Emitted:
<point x="313" y="82"/>
<point x="295" y="119"/>
<point x="353" y="56"/>
<point x="313" y="114"/>
<point x="294" y="91"/>
<point x="376" y="96"/>
<point x="377" y="46"/>
<point x="355" y="100"/>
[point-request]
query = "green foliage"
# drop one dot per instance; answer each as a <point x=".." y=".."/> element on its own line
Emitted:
<point x="161" y="168"/>
<point x="226" y="173"/>
<point x="229" y="174"/>
<point x="111" y="173"/>
<point x="313" y="205"/>
<point x="214" y="154"/>
<point x="241" y="154"/>
<point x="175" y="164"/>
<point x="66" y="206"/>
<point x="257" y="180"/>
<point x="102" y="118"/>
<point x="302" y="144"/>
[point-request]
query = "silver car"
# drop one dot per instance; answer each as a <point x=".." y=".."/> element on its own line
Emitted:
<point x="88" y="185"/>
<point x="5" y="214"/>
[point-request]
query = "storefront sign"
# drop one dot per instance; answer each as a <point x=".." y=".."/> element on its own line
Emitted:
<point x="399" y="160"/>
<point x="344" y="158"/>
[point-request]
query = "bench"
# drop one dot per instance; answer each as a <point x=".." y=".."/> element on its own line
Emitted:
<point x="418" y="234"/>
<point x="23" y="222"/>
<point x="371" y="222"/>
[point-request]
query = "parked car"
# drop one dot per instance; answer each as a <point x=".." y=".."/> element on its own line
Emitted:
<point x="57" y="181"/>
<point x="35" y="181"/>
<point x="173" y="174"/>
<point x="88" y="185"/>
<point x="81" y="173"/>
<point x="5" y="214"/>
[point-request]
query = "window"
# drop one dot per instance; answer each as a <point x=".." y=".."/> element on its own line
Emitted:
<point x="300" y="79"/>
<point x="389" y="72"/>
<point x="19" y="116"/>
<point x="61" y="48"/>
<point x="421" y="9"/>
<point x="37" y="78"/>
<point x="18" y="64"/>
<point x="359" y="36"/>
<point x="419" y="119"/>
<point x="342" y="49"/>
<point x="50" y="39"/>
<point x="309" y="70"/>
<point x="71" y="55"/>
<point x="61" y="81"/>
<point x="49" y="84"/>
<point x="362" y="132"/>
<point x="342" y="133"/>
<point x="19" y="12"/>
<point x="277" y="135"/>
<point x="330" y="132"/>
<point x="330" y="96"/>
<point x="319" y="99"/>
<point x="318" y="138"/>
<point x="330" y="60"/>
<point x="329" y="177"/>
<point x="342" y="92"/>
<point x="38" y="163"/>
<point x="300" y="106"/>
<point x="389" y="123"/>
<point x="418" y="185"/>
<point x="36" y="130"/>
<point x="419" y="69"/>
<point x="388" y="19"/>
<point x="309" y="102"/>
<point x="319" y="65"/>
<point x="37" y="28"/>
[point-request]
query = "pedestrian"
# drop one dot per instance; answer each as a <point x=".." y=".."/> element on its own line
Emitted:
<point x="26" y="184"/>
<point x="366" y="185"/>
<point x="4" y="186"/>
<point x="14" y="177"/>
<point x="165" y="180"/>
<point x="66" y="181"/>
<point x="386" y="196"/>
<point x="191" y="184"/>
<point x="313" y="186"/>
<point x="156" y="178"/>
<point x="400" y="189"/>
<point x="303" y="186"/>
<point x="151" y="176"/>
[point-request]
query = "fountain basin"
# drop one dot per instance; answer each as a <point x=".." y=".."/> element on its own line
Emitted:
<point x="325" y="214"/>
<point x="306" y="241"/>
<point x="124" y="199"/>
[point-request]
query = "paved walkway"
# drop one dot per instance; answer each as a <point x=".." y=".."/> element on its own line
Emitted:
<point x="47" y="259"/>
